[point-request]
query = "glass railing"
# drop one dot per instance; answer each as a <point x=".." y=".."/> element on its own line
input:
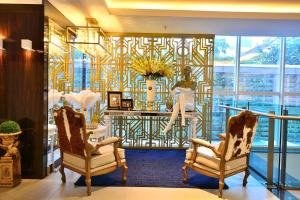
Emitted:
<point x="275" y="150"/>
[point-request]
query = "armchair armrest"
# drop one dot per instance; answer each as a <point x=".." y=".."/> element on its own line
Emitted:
<point x="115" y="141"/>
<point x="199" y="142"/>
<point x="222" y="136"/>
<point x="108" y="141"/>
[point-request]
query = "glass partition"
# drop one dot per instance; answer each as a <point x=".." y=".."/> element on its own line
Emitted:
<point x="292" y="172"/>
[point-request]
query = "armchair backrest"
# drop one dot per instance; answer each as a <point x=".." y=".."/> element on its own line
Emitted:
<point x="71" y="130"/>
<point x="239" y="135"/>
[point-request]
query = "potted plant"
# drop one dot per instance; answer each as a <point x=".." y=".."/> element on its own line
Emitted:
<point x="152" y="69"/>
<point x="9" y="131"/>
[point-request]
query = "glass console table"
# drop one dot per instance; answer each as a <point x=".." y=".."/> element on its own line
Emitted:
<point x="144" y="129"/>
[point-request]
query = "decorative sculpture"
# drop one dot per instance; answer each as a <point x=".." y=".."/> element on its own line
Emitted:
<point x="10" y="165"/>
<point x="185" y="99"/>
<point x="85" y="99"/>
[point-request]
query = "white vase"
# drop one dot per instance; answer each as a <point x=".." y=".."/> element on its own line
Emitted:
<point x="151" y="90"/>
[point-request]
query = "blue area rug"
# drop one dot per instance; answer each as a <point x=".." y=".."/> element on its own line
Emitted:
<point x="154" y="168"/>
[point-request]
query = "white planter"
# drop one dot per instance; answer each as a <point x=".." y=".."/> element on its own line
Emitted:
<point x="151" y="90"/>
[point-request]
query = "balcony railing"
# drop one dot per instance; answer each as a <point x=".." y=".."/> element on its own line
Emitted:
<point x="274" y="168"/>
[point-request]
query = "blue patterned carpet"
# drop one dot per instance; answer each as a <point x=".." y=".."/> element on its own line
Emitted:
<point x="154" y="168"/>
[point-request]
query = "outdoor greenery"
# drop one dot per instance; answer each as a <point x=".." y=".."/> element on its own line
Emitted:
<point x="221" y="47"/>
<point x="293" y="51"/>
<point x="9" y="127"/>
<point x="266" y="53"/>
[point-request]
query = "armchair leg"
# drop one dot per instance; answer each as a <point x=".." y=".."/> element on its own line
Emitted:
<point x="88" y="184"/>
<point x="247" y="173"/>
<point x="221" y="185"/>
<point x="63" y="176"/>
<point x="185" y="175"/>
<point x="124" y="173"/>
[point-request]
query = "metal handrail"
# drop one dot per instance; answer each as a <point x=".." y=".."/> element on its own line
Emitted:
<point x="283" y="135"/>
<point x="289" y="117"/>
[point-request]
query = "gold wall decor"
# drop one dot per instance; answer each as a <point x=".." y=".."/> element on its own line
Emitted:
<point x="146" y="132"/>
<point x="110" y="72"/>
<point x="195" y="51"/>
<point x="60" y="59"/>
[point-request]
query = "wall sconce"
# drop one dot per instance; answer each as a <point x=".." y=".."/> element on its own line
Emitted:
<point x="1" y="44"/>
<point x="26" y="44"/>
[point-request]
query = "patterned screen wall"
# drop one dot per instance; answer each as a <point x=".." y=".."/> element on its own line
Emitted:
<point x="110" y="72"/>
<point x="195" y="51"/>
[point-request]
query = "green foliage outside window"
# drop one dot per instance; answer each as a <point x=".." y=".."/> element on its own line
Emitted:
<point x="267" y="53"/>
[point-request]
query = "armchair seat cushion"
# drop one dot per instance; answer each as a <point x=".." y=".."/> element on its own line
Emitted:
<point x="218" y="172"/>
<point x="107" y="156"/>
<point x="207" y="157"/>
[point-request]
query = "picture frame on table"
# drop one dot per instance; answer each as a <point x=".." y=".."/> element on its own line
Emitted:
<point x="114" y="99"/>
<point x="127" y="104"/>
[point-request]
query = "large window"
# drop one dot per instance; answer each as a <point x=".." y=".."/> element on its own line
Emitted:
<point x="248" y="73"/>
<point x="224" y="79"/>
<point x="292" y="87"/>
<point x="81" y="70"/>
<point x="292" y="66"/>
<point x="259" y="64"/>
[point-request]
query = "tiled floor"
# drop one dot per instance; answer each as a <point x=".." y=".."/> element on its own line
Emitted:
<point x="51" y="188"/>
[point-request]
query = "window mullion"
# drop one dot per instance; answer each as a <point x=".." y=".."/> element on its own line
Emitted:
<point x="282" y="69"/>
<point x="237" y="69"/>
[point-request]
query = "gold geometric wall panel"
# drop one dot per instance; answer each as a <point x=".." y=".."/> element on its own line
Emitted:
<point x="110" y="72"/>
<point x="195" y="51"/>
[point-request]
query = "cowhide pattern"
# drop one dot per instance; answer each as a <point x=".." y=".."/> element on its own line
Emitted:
<point x="69" y="127"/>
<point x="242" y="129"/>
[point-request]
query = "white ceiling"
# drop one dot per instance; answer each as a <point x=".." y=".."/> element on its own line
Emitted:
<point x="221" y="17"/>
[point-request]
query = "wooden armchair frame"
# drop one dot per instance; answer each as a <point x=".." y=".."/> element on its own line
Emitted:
<point x="221" y="155"/>
<point x="88" y="154"/>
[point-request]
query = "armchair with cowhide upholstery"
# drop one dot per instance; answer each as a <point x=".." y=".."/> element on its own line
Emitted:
<point x="79" y="155"/>
<point x="230" y="156"/>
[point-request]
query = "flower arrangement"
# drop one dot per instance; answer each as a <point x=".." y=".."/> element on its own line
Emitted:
<point x="152" y="68"/>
